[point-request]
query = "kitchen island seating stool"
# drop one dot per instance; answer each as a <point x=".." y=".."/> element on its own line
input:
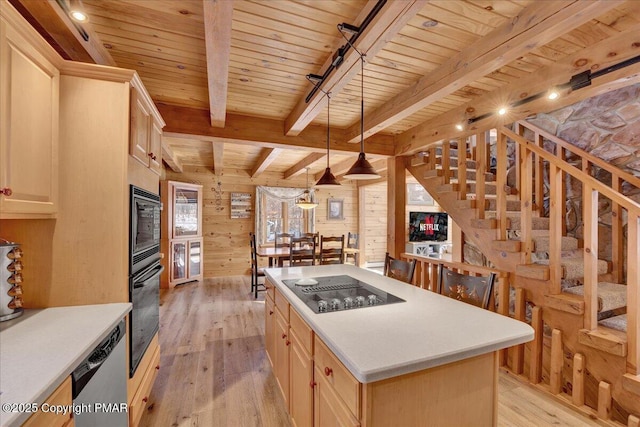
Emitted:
<point x="303" y="251"/>
<point x="256" y="272"/>
<point x="474" y="290"/>
<point x="332" y="249"/>
<point x="399" y="269"/>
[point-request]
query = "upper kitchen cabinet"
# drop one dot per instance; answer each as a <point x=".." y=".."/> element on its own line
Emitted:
<point x="145" y="142"/>
<point x="29" y="93"/>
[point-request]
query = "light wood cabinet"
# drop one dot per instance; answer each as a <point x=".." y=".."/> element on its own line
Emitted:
<point x="145" y="142"/>
<point x="329" y="409"/>
<point x="29" y="93"/>
<point x="269" y="329"/>
<point x="149" y="371"/>
<point x="181" y="232"/>
<point x="282" y="355"/>
<point x="301" y="383"/>
<point x="60" y="397"/>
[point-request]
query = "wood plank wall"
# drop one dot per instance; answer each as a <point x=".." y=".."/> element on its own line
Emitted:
<point x="375" y="223"/>
<point x="226" y="240"/>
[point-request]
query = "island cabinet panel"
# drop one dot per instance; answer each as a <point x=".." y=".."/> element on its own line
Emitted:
<point x="29" y="94"/>
<point x="60" y="397"/>
<point x="269" y="329"/>
<point x="345" y="385"/>
<point x="281" y="367"/>
<point x="301" y="376"/>
<point x="329" y="409"/>
<point x="436" y="396"/>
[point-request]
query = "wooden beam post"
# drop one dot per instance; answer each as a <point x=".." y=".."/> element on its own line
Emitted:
<point x="633" y="293"/>
<point x="218" y="164"/>
<point x="555" y="375"/>
<point x="396" y="205"/>
<point x="556" y="219"/>
<point x="501" y="183"/>
<point x="481" y="169"/>
<point x="604" y="400"/>
<point x="590" y="209"/>
<point x="518" y="354"/>
<point x="577" y="396"/>
<point x="535" y="364"/>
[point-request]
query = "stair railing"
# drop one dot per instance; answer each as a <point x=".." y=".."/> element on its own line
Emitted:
<point x="592" y="191"/>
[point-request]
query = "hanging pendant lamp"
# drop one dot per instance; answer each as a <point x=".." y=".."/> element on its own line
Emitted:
<point x="306" y="201"/>
<point x="362" y="169"/>
<point x="327" y="180"/>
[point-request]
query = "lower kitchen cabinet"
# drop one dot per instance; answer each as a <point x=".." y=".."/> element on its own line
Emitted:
<point x="329" y="409"/>
<point x="282" y="347"/>
<point x="301" y="382"/>
<point x="60" y="397"/>
<point x="143" y="381"/>
<point x="269" y="328"/>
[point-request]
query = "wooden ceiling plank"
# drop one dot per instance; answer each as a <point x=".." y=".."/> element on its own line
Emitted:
<point x="183" y="121"/>
<point x="536" y="25"/>
<point x="600" y="56"/>
<point x="217" y="30"/>
<point x="299" y="167"/>
<point x="387" y="23"/>
<point x="267" y="156"/>
<point x="170" y="159"/>
<point x="218" y="163"/>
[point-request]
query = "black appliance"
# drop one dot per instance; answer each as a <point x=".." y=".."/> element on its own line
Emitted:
<point x="144" y="273"/>
<point x="338" y="293"/>
<point x="428" y="226"/>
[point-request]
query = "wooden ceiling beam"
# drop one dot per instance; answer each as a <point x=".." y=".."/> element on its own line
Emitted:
<point x="63" y="33"/>
<point x="595" y="57"/>
<point x="218" y="163"/>
<point x="217" y="35"/>
<point x="267" y="156"/>
<point x="170" y="159"/>
<point x="184" y="121"/>
<point x="300" y="167"/>
<point x="536" y="25"/>
<point x="393" y="16"/>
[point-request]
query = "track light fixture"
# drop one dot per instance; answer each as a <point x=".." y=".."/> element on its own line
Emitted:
<point x="577" y="81"/>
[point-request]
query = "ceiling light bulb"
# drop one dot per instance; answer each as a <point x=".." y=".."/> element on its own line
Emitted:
<point x="502" y="111"/>
<point x="76" y="11"/>
<point x="553" y="95"/>
<point x="459" y="126"/>
<point x="78" y="16"/>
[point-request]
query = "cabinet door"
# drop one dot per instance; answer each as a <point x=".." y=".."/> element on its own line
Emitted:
<point x="269" y="330"/>
<point x="195" y="258"/>
<point x="301" y="393"/>
<point x="329" y="410"/>
<point x="178" y="261"/>
<point x="155" y="148"/>
<point x="140" y="128"/>
<point x="186" y="205"/>
<point x="282" y="356"/>
<point x="29" y="95"/>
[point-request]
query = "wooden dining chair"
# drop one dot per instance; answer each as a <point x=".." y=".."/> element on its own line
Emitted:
<point x="256" y="272"/>
<point x="474" y="290"/>
<point x="332" y="249"/>
<point x="283" y="240"/>
<point x="316" y="237"/>
<point x="399" y="269"/>
<point x="303" y="251"/>
<point x="352" y="243"/>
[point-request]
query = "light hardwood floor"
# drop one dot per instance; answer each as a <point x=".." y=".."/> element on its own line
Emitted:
<point x="214" y="371"/>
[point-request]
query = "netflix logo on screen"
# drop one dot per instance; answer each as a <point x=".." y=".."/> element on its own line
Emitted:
<point x="428" y="226"/>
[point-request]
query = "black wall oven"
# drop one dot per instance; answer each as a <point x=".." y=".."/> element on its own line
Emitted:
<point x="144" y="272"/>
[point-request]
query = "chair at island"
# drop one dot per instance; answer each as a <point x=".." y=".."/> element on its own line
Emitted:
<point x="332" y="249"/>
<point x="256" y="272"/>
<point x="399" y="269"/>
<point x="474" y="290"/>
<point x="303" y="251"/>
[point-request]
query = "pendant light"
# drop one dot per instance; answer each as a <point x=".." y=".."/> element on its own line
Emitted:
<point x="306" y="201"/>
<point x="362" y="169"/>
<point x="327" y="180"/>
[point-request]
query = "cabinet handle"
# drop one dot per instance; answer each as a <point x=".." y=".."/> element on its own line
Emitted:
<point x="6" y="191"/>
<point x="145" y="399"/>
<point x="157" y="367"/>
<point x="328" y="371"/>
<point x="150" y="155"/>
<point x="313" y="384"/>
<point x="284" y="336"/>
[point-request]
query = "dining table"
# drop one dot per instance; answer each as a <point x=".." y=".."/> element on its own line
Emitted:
<point x="277" y="256"/>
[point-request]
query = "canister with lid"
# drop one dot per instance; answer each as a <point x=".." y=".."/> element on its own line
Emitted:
<point x="10" y="280"/>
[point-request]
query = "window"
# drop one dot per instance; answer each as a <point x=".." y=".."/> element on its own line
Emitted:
<point x="276" y="212"/>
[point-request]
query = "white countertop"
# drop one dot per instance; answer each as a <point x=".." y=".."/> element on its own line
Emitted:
<point x="381" y="342"/>
<point x="39" y="349"/>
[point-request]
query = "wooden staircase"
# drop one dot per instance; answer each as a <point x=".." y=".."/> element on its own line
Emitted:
<point x="585" y="299"/>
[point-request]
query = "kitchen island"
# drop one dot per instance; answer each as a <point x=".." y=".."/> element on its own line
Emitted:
<point x="427" y="360"/>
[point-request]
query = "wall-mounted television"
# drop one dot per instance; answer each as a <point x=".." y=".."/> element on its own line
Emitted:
<point x="428" y="226"/>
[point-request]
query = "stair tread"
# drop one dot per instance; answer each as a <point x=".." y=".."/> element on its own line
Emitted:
<point x="573" y="268"/>
<point x="610" y="295"/>
<point x="542" y="243"/>
<point x="618" y="323"/>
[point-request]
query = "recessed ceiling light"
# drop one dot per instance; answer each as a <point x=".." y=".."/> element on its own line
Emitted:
<point x="502" y="111"/>
<point x="459" y="126"/>
<point x="553" y="94"/>
<point x="76" y="11"/>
